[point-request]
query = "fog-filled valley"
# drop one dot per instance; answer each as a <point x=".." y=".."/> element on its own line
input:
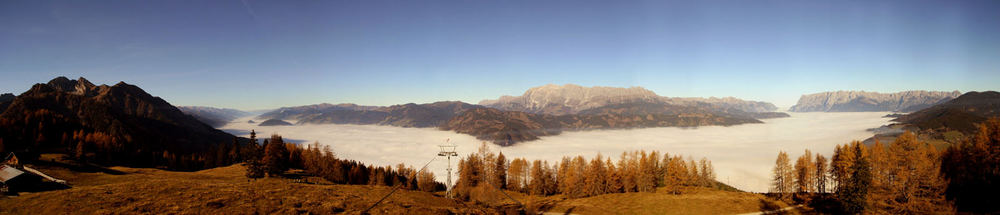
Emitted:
<point x="743" y="155"/>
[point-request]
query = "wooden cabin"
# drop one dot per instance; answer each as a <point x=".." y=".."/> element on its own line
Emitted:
<point x="15" y="177"/>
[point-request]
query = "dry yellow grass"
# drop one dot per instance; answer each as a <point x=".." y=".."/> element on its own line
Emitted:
<point x="225" y="190"/>
<point x="215" y="191"/>
<point x="695" y="200"/>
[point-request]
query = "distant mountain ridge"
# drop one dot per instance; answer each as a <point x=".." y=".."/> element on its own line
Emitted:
<point x="215" y="117"/>
<point x="305" y="111"/>
<point x="405" y="115"/>
<point x="274" y="122"/>
<point x="509" y="127"/>
<point x="571" y="99"/>
<point x="861" y="101"/>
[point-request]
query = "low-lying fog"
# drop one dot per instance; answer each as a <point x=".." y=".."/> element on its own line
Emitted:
<point x="743" y="155"/>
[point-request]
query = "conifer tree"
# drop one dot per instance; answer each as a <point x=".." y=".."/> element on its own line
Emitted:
<point x="500" y="171"/>
<point x="804" y="170"/>
<point x="880" y="189"/>
<point x="694" y="177"/>
<point x="646" y="179"/>
<point x="972" y="169"/>
<point x="783" y="176"/>
<point x="538" y="183"/>
<point x="675" y="174"/>
<point x="518" y="175"/>
<point x="707" y="173"/>
<point x="843" y="158"/>
<point x="916" y="186"/>
<point x="627" y="166"/>
<point x="275" y="156"/>
<point x="595" y="181"/>
<point x="614" y="182"/>
<point x="821" y="169"/>
<point x="425" y="181"/>
<point x="853" y="192"/>
<point x="576" y="178"/>
<point x="564" y="175"/>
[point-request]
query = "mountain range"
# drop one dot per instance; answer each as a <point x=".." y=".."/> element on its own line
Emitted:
<point x="571" y="99"/>
<point x="861" y="101"/>
<point x="121" y="123"/>
<point x="545" y="110"/>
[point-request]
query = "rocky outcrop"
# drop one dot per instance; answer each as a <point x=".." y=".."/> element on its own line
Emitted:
<point x="861" y="101"/>
<point x="569" y="99"/>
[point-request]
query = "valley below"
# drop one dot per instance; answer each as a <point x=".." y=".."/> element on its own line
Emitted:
<point x="742" y="154"/>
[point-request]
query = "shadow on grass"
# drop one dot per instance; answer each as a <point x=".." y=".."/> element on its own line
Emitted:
<point x="79" y="167"/>
<point x="826" y="203"/>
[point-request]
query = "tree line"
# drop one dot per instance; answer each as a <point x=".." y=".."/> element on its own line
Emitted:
<point x="33" y="132"/>
<point x="274" y="157"/>
<point x="576" y="177"/>
<point x="907" y="176"/>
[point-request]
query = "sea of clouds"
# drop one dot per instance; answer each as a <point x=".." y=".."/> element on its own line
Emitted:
<point x="743" y="155"/>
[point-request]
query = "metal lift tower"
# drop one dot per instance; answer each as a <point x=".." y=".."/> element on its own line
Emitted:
<point x="448" y="150"/>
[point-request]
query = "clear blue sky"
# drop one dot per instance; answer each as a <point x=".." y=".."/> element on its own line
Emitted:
<point x="255" y="54"/>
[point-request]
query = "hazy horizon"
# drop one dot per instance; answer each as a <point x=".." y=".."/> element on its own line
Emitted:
<point x="260" y="55"/>
<point x="782" y="107"/>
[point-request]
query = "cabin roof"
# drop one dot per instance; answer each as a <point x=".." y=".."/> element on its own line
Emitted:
<point x="8" y="172"/>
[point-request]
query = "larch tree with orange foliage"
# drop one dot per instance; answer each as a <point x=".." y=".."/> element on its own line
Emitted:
<point x="805" y="173"/>
<point x="821" y="173"/>
<point x="783" y="176"/>
<point x="915" y="185"/>
<point x="517" y="175"/>
<point x="595" y="181"/>
<point x="972" y="169"/>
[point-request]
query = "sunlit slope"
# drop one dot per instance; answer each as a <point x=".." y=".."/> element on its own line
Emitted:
<point x="221" y="190"/>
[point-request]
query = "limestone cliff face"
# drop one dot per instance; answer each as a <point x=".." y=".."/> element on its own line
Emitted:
<point x="861" y="101"/>
<point x="571" y="99"/>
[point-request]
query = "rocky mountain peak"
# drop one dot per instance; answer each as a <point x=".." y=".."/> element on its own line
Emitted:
<point x="850" y="101"/>
<point x="80" y="86"/>
<point x="569" y="98"/>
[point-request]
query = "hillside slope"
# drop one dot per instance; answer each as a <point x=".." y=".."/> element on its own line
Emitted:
<point x="695" y="200"/>
<point x="121" y="123"/>
<point x="222" y="190"/>
<point x="960" y="114"/>
<point x="225" y="190"/>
